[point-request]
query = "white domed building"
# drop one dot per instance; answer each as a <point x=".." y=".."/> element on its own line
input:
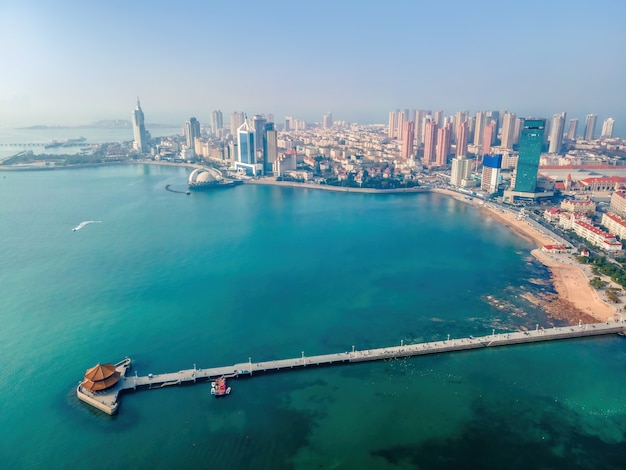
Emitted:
<point x="204" y="178"/>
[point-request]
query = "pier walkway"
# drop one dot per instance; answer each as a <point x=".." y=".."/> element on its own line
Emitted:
<point x="108" y="400"/>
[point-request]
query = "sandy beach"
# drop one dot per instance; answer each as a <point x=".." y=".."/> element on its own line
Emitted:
<point x="577" y="300"/>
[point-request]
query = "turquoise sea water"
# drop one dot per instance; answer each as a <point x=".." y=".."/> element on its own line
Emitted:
<point x="264" y="272"/>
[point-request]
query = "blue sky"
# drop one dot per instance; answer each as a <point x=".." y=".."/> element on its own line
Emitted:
<point x="74" y="62"/>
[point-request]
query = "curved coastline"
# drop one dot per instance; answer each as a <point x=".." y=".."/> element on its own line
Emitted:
<point x="576" y="300"/>
<point x="579" y="301"/>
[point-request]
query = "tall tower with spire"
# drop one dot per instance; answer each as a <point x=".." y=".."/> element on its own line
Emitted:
<point x="139" y="130"/>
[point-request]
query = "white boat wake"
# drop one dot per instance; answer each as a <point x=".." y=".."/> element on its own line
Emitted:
<point x="86" y="222"/>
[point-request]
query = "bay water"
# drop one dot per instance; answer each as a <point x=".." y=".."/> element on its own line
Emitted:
<point x="262" y="272"/>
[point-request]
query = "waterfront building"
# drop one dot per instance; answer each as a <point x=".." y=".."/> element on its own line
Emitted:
<point x="270" y="147"/>
<point x="607" y="128"/>
<point x="618" y="203"/>
<point x="408" y="137"/>
<point x="100" y="377"/>
<point x="286" y="161"/>
<point x="192" y="132"/>
<point x="462" y="136"/>
<point x="580" y="206"/>
<point x="610" y="183"/>
<point x="461" y="171"/>
<point x="443" y="145"/>
<point x="140" y="135"/>
<point x="258" y="124"/>
<point x="573" y="128"/>
<point x="615" y="224"/>
<point x="430" y="141"/>
<point x="524" y="179"/>
<point x="556" y="133"/>
<point x="491" y="173"/>
<point x="236" y="120"/>
<point x="246" y="159"/>
<point x="596" y="236"/>
<point x="508" y="129"/>
<point x="590" y="126"/>
<point x="530" y="144"/>
<point x="217" y="121"/>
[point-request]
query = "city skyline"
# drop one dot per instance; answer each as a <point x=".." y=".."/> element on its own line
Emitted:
<point x="69" y="69"/>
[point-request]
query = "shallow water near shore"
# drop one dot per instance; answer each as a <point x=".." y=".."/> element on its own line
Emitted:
<point x="265" y="272"/>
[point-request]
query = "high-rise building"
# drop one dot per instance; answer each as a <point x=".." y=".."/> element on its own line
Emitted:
<point x="236" y="120"/>
<point x="290" y="123"/>
<point x="140" y="135"/>
<point x="494" y="116"/>
<point x="438" y="117"/>
<point x="393" y="116"/>
<point x="246" y="144"/>
<point x="270" y="147"/>
<point x="217" y="121"/>
<point x="508" y="130"/>
<point x="419" y="127"/>
<point x="459" y="118"/>
<point x="490" y="130"/>
<point x="192" y="132"/>
<point x="607" y="127"/>
<point x="461" y="140"/>
<point x="443" y="145"/>
<point x="430" y="141"/>
<point x="400" y="125"/>
<point x="408" y="137"/>
<point x="590" y="126"/>
<point x="491" y="173"/>
<point x="530" y="144"/>
<point x="461" y="170"/>
<point x="327" y="121"/>
<point x="517" y="131"/>
<point x="573" y="128"/>
<point x="258" y="124"/>
<point x="556" y="133"/>
<point x="479" y="129"/>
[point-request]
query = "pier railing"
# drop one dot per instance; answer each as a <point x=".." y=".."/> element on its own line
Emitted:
<point x="108" y="401"/>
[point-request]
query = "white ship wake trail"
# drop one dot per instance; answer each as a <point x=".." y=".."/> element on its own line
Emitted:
<point x="84" y="223"/>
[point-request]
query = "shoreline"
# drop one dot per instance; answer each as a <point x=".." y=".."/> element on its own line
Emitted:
<point x="337" y="189"/>
<point x="575" y="301"/>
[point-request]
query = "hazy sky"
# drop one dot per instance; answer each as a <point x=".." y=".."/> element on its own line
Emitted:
<point x="74" y="62"/>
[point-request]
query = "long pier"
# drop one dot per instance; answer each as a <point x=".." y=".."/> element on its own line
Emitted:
<point x="108" y="400"/>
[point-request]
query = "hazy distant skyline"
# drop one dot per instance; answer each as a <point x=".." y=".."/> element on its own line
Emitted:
<point x="72" y="62"/>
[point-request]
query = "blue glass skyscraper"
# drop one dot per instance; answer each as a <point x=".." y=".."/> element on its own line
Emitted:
<point x="530" y="144"/>
<point x="246" y="143"/>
